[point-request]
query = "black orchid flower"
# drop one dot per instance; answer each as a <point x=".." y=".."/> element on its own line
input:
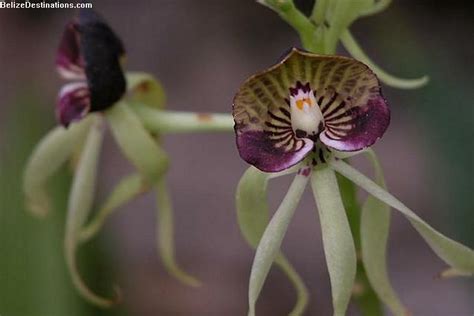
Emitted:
<point x="131" y="106"/>
<point x="89" y="55"/>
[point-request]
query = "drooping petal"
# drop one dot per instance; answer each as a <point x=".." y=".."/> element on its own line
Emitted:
<point x="458" y="256"/>
<point x="73" y="103"/>
<point x="356" y="51"/>
<point x="79" y="205"/>
<point x="69" y="61"/>
<point x="269" y="245"/>
<point x="252" y="215"/>
<point x="165" y="235"/>
<point x="347" y="92"/>
<point x="337" y="238"/>
<point x="48" y="156"/>
<point x="136" y="143"/>
<point x="374" y="231"/>
<point x="101" y="51"/>
<point x="128" y="188"/>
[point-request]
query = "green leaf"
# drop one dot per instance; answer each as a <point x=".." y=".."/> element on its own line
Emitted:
<point x="48" y="156"/>
<point x="164" y="236"/>
<point x="337" y="238"/>
<point x="356" y="51"/>
<point x="458" y="256"/>
<point x="80" y="202"/>
<point x="128" y="188"/>
<point x="145" y="89"/>
<point x="374" y="231"/>
<point x="136" y="143"/>
<point x="269" y="245"/>
<point x="252" y="215"/>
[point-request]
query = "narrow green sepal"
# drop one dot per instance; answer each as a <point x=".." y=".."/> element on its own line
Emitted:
<point x="253" y="217"/>
<point x="356" y="51"/>
<point x="136" y="143"/>
<point x="269" y="245"/>
<point x="374" y="232"/>
<point x="48" y="156"/>
<point x="127" y="189"/>
<point x="164" y="235"/>
<point x="455" y="254"/>
<point x="337" y="238"/>
<point x="79" y="205"/>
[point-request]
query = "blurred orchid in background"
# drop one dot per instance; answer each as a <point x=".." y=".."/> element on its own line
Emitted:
<point x="305" y="115"/>
<point x="89" y="52"/>
<point x="131" y="105"/>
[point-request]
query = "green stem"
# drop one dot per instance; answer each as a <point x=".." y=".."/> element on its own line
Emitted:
<point x="287" y="10"/>
<point x="319" y="11"/>
<point x="162" y="121"/>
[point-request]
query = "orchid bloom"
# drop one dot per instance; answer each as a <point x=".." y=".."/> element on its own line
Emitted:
<point x="304" y="115"/>
<point x="131" y="106"/>
<point x="89" y="54"/>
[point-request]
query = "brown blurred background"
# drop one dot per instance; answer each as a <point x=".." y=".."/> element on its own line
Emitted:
<point x="202" y="51"/>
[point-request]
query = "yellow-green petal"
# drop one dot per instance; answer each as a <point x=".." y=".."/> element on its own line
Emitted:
<point x="164" y="235"/>
<point x="48" y="156"/>
<point x="128" y="188"/>
<point x="269" y="245"/>
<point x="374" y="231"/>
<point x="80" y="202"/>
<point x="136" y="143"/>
<point x="356" y="51"/>
<point x="252" y="215"/>
<point x="337" y="238"/>
<point x="455" y="254"/>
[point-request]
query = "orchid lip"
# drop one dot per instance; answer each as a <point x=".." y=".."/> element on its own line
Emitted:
<point x="89" y="53"/>
<point x="307" y="101"/>
<point x="69" y="61"/>
<point x="73" y="103"/>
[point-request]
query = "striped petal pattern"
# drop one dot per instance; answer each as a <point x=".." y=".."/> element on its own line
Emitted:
<point x="354" y="112"/>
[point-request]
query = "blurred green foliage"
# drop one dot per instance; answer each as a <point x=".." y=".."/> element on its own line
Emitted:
<point x="33" y="275"/>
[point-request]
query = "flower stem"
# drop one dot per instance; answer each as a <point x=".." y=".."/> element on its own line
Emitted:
<point x="162" y="121"/>
<point x="288" y="11"/>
